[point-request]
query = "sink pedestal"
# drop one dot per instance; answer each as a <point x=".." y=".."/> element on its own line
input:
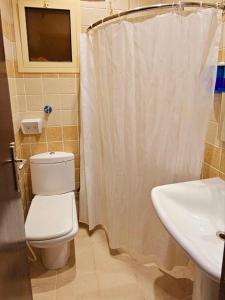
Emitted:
<point x="205" y="288"/>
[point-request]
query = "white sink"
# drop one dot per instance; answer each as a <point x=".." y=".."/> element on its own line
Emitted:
<point x="193" y="212"/>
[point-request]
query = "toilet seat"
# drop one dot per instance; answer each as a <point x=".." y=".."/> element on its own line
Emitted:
<point x="51" y="217"/>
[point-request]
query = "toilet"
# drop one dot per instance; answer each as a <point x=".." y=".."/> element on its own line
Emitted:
<point x="52" y="218"/>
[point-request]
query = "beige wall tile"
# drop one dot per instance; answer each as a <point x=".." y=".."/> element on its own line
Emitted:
<point x="6" y="29"/>
<point x="77" y="161"/>
<point x="32" y="114"/>
<point x="69" y="102"/>
<point x="20" y="86"/>
<point x="54" y="119"/>
<point x="12" y="87"/>
<point x="18" y="150"/>
<point x="9" y="52"/>
<point x="38" y="148"/>
<point x="91" y="15"/>
<point x="10" y="68"/>
<point x="222" y="163"/>
<point x="77" y="175"/>
<point x="120" y="4"/>
<point x="18" y="139"/>
<point x="26" y="151"/>
<point x="14" y="105"/>
<point x="38" y="138"/>
<point x="55" y="146"/>
<point x="215" y="115"/>
<point x="35" y="102"/>
<point x="94" y="4"/>
<point x="22" y="104"/>
<point x="50" y="85"/>
<point x="71" y="146"/>
<point x="212" y="134"/>
<point x="220" y="56"/>
<point x="212" y="155"/>
<point x="210" y="172"/>
<point x="33" y="86"/>
<point x="69" y="117"/>
<point x="70" y="133"/>
<point x="54" y="134"/>
<point x="27" y="179"/>
<point x="222" y="175"/>
<point x="54" y="100"/>
<point x="24" y="139"/>
<point x="67" y="85"/>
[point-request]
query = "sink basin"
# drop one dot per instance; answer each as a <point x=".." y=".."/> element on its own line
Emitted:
<point x="193" y="213"/>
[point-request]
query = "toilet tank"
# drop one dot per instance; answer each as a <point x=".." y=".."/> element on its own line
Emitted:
<point x="52" y="173"/>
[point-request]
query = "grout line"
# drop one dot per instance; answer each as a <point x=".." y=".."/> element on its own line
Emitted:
<point x="219" y="147"/>
<point x="44" y="120"/>
<point x="215" y="169"/>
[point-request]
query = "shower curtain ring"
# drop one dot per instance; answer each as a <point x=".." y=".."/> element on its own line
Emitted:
<point x="201" y="4"/>
<point x="120" y="17"/>
<point x="217" y="4"/>
<point x="173" y="7"/>
<point x="180" y="5"/>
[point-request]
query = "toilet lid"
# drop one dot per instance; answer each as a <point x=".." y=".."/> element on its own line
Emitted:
<point x="50" y="217"/>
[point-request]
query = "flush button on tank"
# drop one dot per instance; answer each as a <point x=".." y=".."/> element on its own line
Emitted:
<point x="52" y="153"/>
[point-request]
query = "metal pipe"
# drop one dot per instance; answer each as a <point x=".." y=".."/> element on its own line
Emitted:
<point x="181" y="5"/>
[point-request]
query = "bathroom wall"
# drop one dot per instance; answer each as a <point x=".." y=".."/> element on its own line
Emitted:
<point x="61" y="91"/>
<point x="214" y="161"/>
<point x="30" y="92"/>
<point x="9" y="44"/>
<point x="10" y="54"/>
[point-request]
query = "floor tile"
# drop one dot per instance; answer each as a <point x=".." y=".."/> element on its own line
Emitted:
<point x="85" y="285"/>
<point x="94" y="272"/>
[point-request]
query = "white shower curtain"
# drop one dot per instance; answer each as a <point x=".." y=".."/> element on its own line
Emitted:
<point x="146" y="94"/>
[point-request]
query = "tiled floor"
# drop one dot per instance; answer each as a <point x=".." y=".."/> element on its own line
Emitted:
<point x="99" y="275"/>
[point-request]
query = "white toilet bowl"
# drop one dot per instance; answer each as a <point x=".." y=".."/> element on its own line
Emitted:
<point x="51" y="224"/>
<point x="52" y="218"/>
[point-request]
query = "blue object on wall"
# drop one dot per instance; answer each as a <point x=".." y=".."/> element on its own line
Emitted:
<point x="47" y="109"/>
<point x="220" y="80"/>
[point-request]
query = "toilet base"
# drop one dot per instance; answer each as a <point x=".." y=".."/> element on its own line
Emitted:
<point x="54" y="258"/>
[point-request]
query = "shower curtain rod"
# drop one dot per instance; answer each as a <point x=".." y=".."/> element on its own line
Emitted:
<point x="181" y="5"/>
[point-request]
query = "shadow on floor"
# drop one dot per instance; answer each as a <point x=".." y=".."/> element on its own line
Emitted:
<point x="168" y="287"/>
